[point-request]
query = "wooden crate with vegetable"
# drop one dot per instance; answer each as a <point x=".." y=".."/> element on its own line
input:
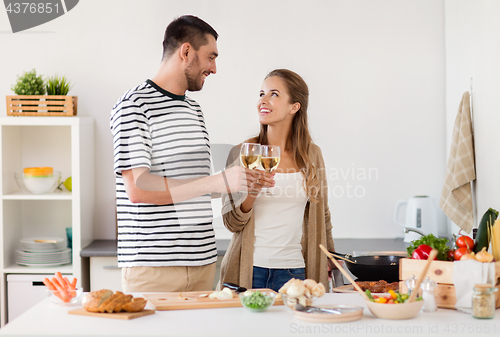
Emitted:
<point x="441" y="270"/>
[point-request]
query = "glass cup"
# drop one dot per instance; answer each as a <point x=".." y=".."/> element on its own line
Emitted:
<point x="269" y="160"/>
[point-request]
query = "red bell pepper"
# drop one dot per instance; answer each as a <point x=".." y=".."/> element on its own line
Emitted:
<point x="422" y="252"/>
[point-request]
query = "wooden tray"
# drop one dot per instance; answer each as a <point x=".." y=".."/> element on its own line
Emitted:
<point x="115" y="315"/>
<point x="192" y="300"/>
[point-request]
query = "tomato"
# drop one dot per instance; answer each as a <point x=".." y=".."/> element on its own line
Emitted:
<point x="465" y="241"/>
<point x="451" y="255"/>
<point x="460" y="252"/>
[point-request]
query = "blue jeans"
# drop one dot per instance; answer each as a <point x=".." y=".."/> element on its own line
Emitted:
<point x="275" y="278"/>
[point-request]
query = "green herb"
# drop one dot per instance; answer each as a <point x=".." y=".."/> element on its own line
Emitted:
<point x="437" y="243"/>
<point x="257" y="301"/>
<point x="29" y="84"/>
<point x="58" y="85"/>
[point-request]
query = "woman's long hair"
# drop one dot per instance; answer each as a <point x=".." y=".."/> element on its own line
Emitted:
<point x="299" y="139"/>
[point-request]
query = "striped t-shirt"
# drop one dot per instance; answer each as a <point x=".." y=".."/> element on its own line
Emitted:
<point x="165" y="133"/>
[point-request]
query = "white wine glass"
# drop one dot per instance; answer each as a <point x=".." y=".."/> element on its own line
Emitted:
<point x="269" y="160"/>
<point x="250" y="155"/>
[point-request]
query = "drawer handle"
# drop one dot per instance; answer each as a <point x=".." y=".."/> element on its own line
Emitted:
<point x="111" y="267"/>
<point x="37" y="283"/>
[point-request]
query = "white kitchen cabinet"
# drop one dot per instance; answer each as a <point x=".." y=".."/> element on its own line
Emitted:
<point x="67" y="145"/>
<point x="105" y="274"/>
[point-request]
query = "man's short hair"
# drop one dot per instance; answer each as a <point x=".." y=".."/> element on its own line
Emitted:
<point x="187" y="28"/>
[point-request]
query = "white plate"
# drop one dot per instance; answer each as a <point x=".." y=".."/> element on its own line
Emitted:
<point x="43" y="265"/>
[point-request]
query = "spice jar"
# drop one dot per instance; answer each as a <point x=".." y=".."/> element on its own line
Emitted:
<point x="410" y="284"/>
<point x="483" y="301"/>
<point x="428" y="287"/>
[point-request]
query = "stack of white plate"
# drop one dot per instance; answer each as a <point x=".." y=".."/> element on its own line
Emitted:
<point x="43" y="252"/>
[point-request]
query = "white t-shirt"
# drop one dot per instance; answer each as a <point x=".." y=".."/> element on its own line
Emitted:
<point x="166" y="133"/>
<point x="278" y="223"/>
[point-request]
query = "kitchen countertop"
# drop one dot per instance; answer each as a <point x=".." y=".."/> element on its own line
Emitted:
<point x="102" y="248"/>
<point x="47" y="318"/>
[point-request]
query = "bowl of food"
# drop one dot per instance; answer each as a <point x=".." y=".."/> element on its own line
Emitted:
<point x="37" y="180"/>
<point x="394" y="306"/>
<point x="65" y="297"/>
<point x="291" y="302"/>
<point x="257" y="300"/>
<point x="301" y="291"/>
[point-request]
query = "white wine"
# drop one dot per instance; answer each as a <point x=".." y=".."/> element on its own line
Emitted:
<point x="250" y="162"/>
<point x="270" y="163"/>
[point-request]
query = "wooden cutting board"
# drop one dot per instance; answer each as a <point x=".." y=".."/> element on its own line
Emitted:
<point x="195" y="300"/>
<point x="115" y="315"/>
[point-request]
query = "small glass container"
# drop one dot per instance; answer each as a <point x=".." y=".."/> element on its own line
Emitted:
<point x="428" y="287"/>
<point x="410" y="284"/>
<point x="483" y="301"/>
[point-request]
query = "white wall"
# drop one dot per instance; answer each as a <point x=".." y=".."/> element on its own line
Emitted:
<point x="473" y="50"/>
<point x="375" y="71"/>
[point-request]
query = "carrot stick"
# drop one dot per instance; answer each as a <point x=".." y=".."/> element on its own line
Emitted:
<point x="68" y="287"/>
<point x="62" y="290"/>
<point x="59" y="277"/>
<point x="73" y="284"/>
<point x="49" y="284"/>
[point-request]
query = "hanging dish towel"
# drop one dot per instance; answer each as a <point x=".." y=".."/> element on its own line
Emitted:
<point x="456" y="198"/>
<point x="466" y="274"/>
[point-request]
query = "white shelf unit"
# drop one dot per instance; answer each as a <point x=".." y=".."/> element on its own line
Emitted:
<point x="67" y="145"/>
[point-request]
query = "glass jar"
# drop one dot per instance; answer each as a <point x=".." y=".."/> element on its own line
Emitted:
<point x="483" y="301"/>
<point x="428" y="287"/>
<point x="411" y="284"/>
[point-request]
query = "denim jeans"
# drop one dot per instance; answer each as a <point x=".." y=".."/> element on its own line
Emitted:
<point x="275" y="278"/>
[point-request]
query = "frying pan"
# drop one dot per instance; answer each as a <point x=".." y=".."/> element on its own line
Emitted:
<point x="373" y="268"/>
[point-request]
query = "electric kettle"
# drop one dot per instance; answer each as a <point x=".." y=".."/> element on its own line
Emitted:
<point x="421" y="217"/>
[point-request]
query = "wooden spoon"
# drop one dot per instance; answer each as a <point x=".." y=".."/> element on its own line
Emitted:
<point x="346" y="274"/>
<point x="432" y="256"/>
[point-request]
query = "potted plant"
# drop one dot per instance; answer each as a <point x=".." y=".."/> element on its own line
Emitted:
<point x="30" y="87"/>
<point x="29" y="84"/>
<point x="57" y="86"/>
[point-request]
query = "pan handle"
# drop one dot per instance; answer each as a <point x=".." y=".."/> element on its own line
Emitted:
<point x="345" y="257"/>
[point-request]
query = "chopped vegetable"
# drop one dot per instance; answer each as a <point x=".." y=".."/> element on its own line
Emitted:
<point x="369" y="294"/>
<point x="394" y="298"/>
<point x="257" y="300"/>
<point x="437" y="243"/>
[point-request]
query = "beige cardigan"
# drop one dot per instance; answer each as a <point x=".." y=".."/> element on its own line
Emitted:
<point x="237" y="265"/>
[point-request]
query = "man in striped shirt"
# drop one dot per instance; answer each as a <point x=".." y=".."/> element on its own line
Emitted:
<point x="166" y="240"/>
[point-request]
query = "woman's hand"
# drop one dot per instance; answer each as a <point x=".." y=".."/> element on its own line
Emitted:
<point x="259" y="179"/>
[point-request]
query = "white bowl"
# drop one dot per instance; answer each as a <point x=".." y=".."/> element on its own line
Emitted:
<point x="37" y="185"/>
<point x="395" y="311"/>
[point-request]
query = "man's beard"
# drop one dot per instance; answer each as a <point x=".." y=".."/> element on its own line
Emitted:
<point x="194" y="82"/>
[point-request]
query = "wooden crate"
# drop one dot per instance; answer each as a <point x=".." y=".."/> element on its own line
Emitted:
<point x="442" y="273"/>
<point x="41" y="105"/>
